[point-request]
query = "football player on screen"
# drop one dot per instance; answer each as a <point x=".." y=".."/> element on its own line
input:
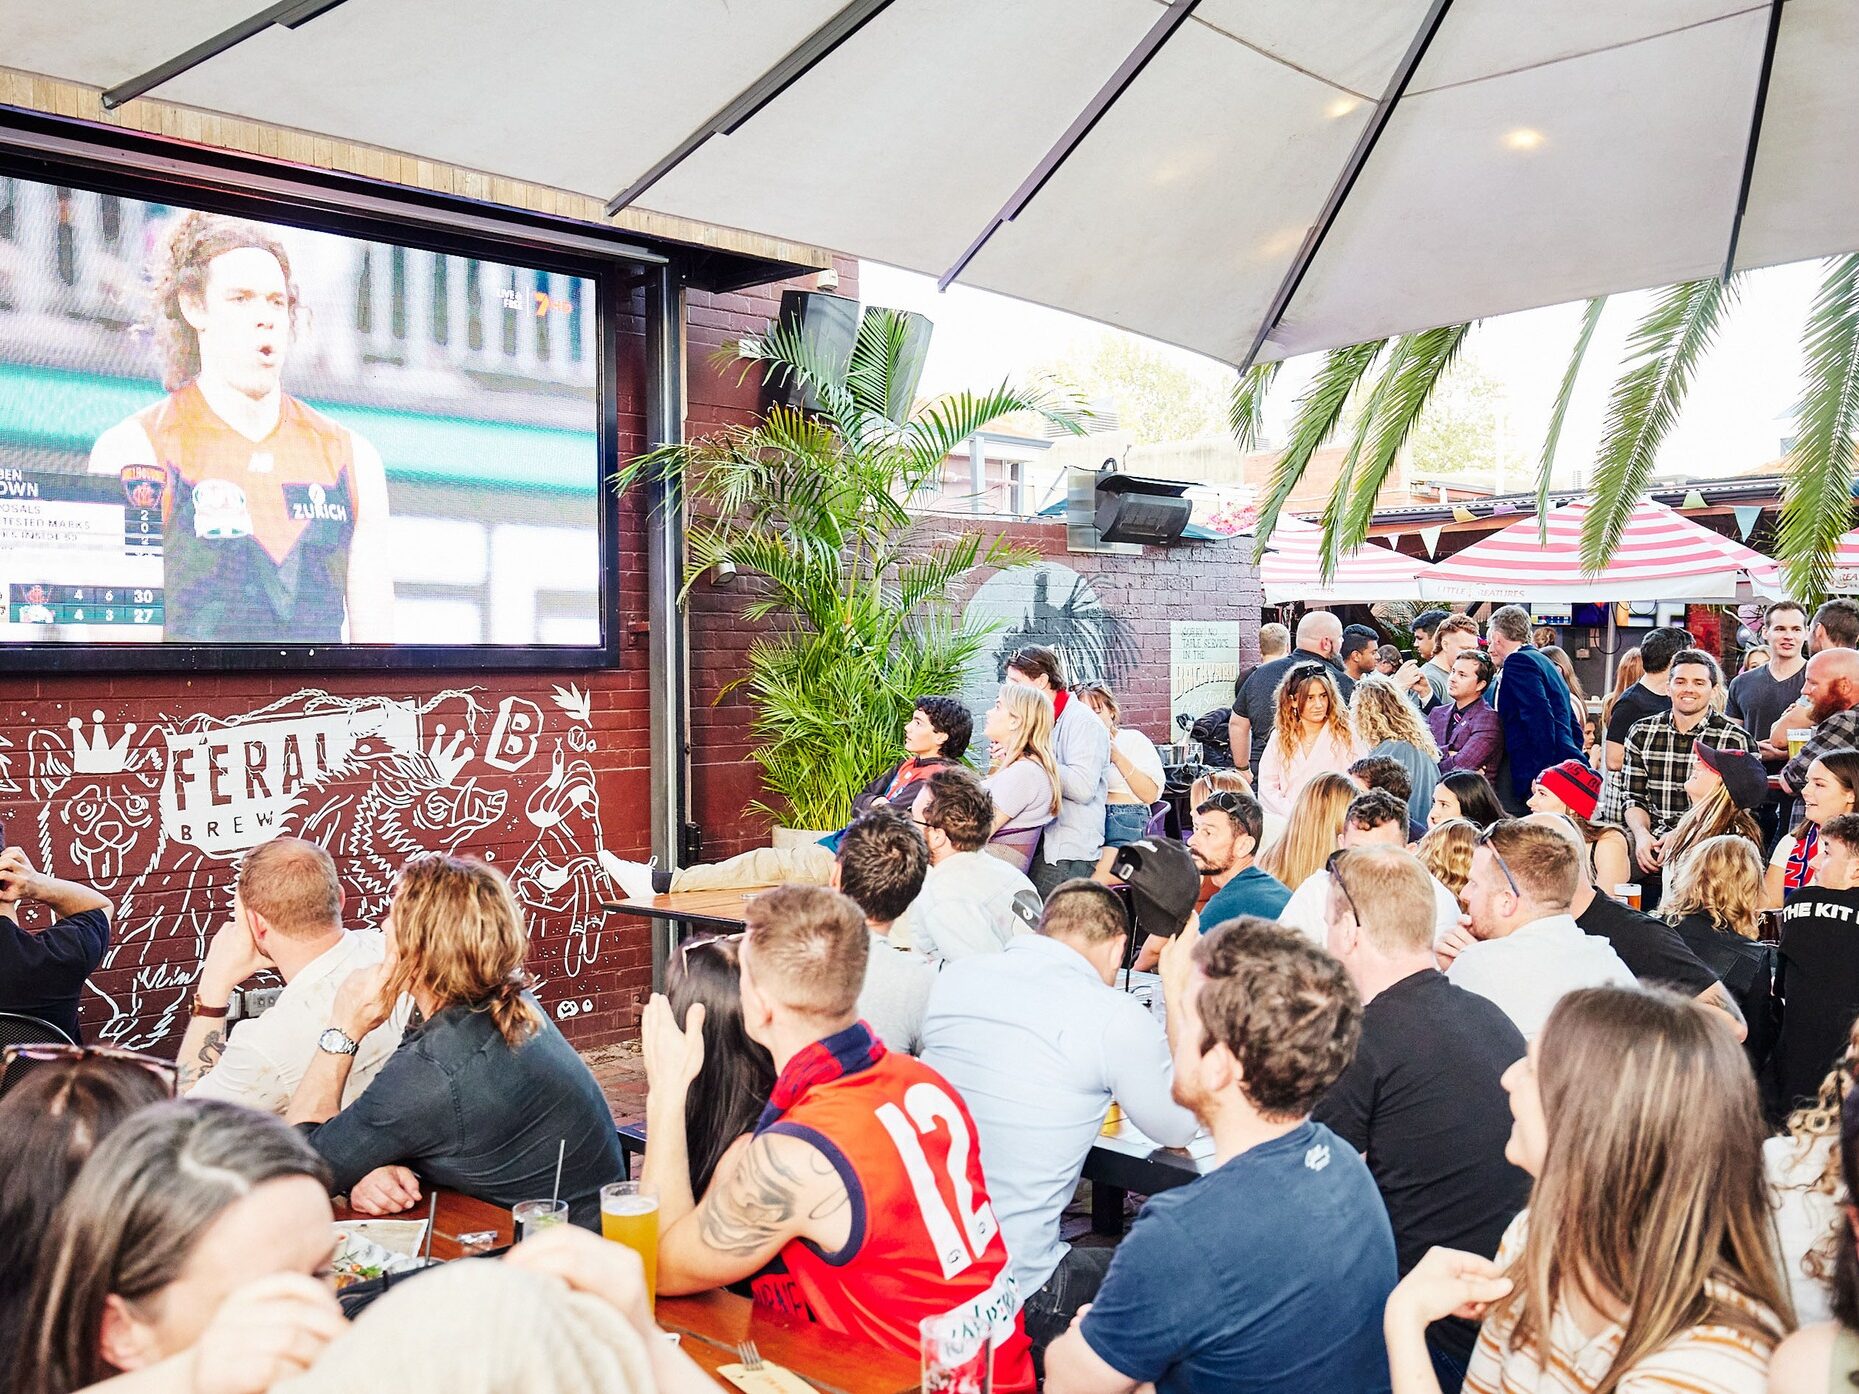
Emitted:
<point x="274" y="517"/>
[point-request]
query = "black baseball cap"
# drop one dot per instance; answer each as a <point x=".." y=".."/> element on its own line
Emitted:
<point x="1164" y="883"/>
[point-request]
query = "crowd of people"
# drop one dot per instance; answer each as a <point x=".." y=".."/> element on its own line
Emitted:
<point x="1523" y="1045"/>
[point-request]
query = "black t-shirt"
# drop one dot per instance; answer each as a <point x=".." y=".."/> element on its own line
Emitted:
<point x="1636" y="702"/>
<point x="1746" y="967"/>
<point x="1757" y="700"/>
<point x="1423" y="1102"/>
<point x="42" y="974"/>
<point x="1256" y="698"/>
<point x="1653" y="951"/>
<point x="1819" y="987"/>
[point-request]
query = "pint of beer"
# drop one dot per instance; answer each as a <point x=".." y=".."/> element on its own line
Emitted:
<point x="629" y="1216"/>
<point x="1798" y="736"/>
<point x="1629" y="892"/>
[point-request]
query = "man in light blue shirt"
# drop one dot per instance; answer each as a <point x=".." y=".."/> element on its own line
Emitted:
<point x="1081" y="746"/>
<point x="1038" y="1043"/>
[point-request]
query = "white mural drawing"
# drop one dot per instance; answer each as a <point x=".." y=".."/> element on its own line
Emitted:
<point x="157" y="817"/>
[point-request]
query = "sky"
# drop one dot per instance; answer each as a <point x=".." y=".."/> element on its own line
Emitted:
<point x="1737" y="412"/>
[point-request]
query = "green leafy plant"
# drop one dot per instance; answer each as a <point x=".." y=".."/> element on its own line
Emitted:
<point x="1391" y="380"/>
<point x="858" y="591"/>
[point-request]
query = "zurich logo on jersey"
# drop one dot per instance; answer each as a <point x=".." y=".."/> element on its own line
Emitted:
<point x="311" y="503"/>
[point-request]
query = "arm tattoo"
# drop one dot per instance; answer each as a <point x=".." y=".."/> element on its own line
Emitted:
<point x="204" y="1060"/>
<point x="763" y="1197"/>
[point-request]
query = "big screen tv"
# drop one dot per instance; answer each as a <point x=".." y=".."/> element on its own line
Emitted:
<point x="230" y="435"/>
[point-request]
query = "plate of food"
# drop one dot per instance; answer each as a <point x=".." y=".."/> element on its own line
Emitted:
<point x="359" y="1257"/>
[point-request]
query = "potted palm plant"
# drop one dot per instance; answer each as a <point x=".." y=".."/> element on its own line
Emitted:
<point x="857" y="591"/>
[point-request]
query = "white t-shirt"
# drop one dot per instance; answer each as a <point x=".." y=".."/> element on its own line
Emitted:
<point x="1140" y="751"/>
<point x="1527" y="971"/>
<point x="897" y="987"/>
<point x="265" y="1057"/>
<point x="1804" y="1217"/>
<point x="971" y="903"/>
<point x="1309" y="903"/>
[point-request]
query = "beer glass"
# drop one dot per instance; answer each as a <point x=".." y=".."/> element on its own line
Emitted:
<point x="956" y="1358"/>
<point x="1798" y="736"/>
<point x="1629" y="892"/>
<point x="629" y="1216"/>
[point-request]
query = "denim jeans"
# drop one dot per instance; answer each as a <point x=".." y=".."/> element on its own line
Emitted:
<point x="1124" y="823"/>
<point x="1046" y="875"/>
<point x="1073" y="1283"/>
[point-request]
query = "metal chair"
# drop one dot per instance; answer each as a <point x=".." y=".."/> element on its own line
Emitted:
<point x="16" y="1028"/>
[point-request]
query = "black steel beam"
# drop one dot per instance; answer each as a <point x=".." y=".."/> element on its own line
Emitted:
<point x="1755" y="134"/>
<point x="288" y="14"/>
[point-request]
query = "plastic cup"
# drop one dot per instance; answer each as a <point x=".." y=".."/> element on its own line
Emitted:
<point x="534" y="1216"/>
<point x="1798" y="736"/>
<point x="629" y="1216"/>
<point x="1629" y="892"/>
<point x="956" y="1358"/>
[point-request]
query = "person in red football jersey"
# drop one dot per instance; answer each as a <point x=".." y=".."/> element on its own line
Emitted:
<point x="858" y="1202"/>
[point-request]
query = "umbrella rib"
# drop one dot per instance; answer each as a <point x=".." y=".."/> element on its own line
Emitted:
<point x="1159" y="33"/>
<point x="291" y="14"/>
<point x="1755" y="134"/>
<point x="800" y="60"/>
<point x="1358" y="158"/>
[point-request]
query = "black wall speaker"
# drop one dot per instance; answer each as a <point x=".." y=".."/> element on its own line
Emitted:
<point x="1151" y="511"/>
<point x="917" y="330"/>
<point x="828" y="324"/>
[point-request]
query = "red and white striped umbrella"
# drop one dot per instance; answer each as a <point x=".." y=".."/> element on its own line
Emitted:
<point x="1290" y="570"/>
<point x="1662" y="556"/>
<point x="1844" y="580"/>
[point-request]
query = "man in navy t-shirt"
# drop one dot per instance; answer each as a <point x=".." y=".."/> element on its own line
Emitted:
<point x="42" y="971"/>
<point x="1227" y="829"/>
<point x="1270" y="1272"/>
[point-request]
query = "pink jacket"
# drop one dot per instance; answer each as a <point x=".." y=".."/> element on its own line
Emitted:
<point x="1280" y="779"/>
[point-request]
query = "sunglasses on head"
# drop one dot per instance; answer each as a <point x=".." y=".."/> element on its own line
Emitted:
<point x="1331" y="865"/>
<point x="1484" y="840"/>
<point x="52" y="1052"/>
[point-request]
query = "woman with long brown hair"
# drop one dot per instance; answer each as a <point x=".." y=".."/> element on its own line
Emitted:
<point x="1310" y="736"/>
<point x="1310" y="833"/>
<point x="1023" y="774"/>
<point x="182" y="1204"/>
<point x="1386" y="723"/>
<point x="484" y="1094"/>
<point x="1647" y="1258"/>
<point x="1446" y="851"/>
<point x="1832" y="789"/>
<point x="1725" y="788"/>
<point x="1578" y="699"/>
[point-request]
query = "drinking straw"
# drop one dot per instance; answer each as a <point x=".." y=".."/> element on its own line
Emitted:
<point x="560" y="1154"/>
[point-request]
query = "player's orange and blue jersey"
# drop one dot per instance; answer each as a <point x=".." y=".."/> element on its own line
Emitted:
<point x="255" y="534"/>
<point x="924" y="1241"/>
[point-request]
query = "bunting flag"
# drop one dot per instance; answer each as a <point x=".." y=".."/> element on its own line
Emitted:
<point x="1693" y="499"/>
<point x="1429" y="538"/>
<point x="1746" y="520"/>
<point x="1462" y="514"/>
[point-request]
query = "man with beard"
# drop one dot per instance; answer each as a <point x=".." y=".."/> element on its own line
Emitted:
<point x="1227" y="829"/>
<point x="274" y="517"/>
<point x="1270" y="1271"/>
<point x="1831" y="691"/>
<point x="1659" y="755"/>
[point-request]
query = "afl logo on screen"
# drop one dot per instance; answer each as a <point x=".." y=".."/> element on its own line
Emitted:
<point x="312" y="504"/>
<point x="220" y="510"/>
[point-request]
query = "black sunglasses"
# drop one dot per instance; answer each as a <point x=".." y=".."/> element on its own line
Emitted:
<point x="1336" y="875"/>
<point x="1484" y="840"/>
<point x="51" y="1052"/>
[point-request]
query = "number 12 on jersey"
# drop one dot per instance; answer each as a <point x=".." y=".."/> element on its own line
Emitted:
<point x="929" y="1106"/>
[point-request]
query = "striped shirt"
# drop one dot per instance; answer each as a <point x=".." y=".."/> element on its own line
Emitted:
<point x="1707" y="1359"/>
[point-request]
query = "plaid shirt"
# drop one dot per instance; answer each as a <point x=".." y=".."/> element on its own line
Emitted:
<point x="1658" y="762"/>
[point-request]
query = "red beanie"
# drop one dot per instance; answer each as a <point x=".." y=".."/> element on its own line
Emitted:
<point x="1575" y="784"/>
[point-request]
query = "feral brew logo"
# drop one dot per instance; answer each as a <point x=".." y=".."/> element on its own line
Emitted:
<point x="144" y="485"/>
<point x="312" y="503"/>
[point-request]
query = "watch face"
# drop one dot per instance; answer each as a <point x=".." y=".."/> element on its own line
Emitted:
<point x="334" y="1042"/>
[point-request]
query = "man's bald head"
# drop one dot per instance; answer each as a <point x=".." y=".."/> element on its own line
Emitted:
<point x="1320" y="632"/>
<point x="1831" y="683"/>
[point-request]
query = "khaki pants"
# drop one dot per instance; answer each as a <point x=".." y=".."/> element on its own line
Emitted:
<point x="811" y="865"/>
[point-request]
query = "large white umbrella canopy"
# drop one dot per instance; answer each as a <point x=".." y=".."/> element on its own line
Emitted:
<point x="1291" y="571"/>
<point x="1236" y="176"/>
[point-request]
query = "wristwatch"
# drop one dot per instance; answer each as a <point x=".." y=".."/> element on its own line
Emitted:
<point x="336" y="1041"/>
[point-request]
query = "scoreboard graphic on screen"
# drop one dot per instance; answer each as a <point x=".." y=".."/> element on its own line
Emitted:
<point x="80" y="560"/>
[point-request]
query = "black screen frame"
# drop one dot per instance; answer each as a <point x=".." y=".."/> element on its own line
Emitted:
<point x="194" y="177"/>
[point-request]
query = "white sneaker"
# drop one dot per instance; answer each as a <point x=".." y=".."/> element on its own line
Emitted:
<point x="635" y="878"/>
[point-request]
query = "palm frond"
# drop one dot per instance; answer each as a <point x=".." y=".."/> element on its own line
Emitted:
<point x="1319" y="411"/>
<point x="1590" y="318"/>
<point x="1415" y="369"/>
<point x="941" y="425"/>
<point x="1664" y="350"/>
<point x="1245" y="410"/>
<point x="1817" y="488"/>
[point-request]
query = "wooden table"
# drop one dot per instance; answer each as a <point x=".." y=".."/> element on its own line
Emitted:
<point x="720" y="910"/>
<point x="710" y="1325"/>
<point x="1124" y="1160"/>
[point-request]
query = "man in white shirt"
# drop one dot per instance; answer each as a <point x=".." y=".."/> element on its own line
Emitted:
<point x="971" y="902"/>
<point x="1519" y="945"/>
<point x="1374" y="819"/>
<point x="1038" y="1043"/>
<point x="286" y="916"/>
<point x="880" y="868"/>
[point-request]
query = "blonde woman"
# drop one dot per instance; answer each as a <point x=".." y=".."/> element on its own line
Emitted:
<point x="1023" y="776"/>
<point x="1386" y="723"/>
<point x="1646" y="1261"/>
<point x="1136" y="774"/>
<point x="1713" y="899"/>
<point x="483" y="1090"/>
<point x="1311" y="831"/>
<point x="1725" y="788"/>
<point x="1578" y="700"/>
<point x="1446" y="851"/>
<point x="1310" y="736"/>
